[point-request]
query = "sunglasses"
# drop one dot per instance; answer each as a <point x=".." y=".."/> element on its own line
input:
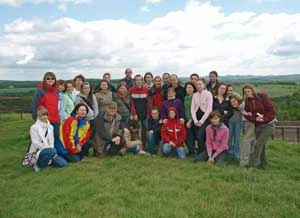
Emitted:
<point x="50" y="78"/>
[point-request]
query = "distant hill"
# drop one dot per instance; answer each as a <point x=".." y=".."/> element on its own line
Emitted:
<point x="295" y="79"/>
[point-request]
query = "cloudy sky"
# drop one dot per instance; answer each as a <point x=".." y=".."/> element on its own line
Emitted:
<point x="68" y="37"/>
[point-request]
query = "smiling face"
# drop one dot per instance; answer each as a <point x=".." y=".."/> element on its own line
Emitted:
<point x="222" y="90"/>
<point x="212" y="78"/>
<point x="155" y="114"/>
<point x="148" y="79"/>
<point x="166" y="78"/>
<point x="86" y="89"/>
<point x="248" y="93"/>
<point x="50" y="80"/>
<point x="234" y="103"/>
<point x="189" y="89"/>
<point x="194" y="79"/>
<point x="43" y="118"/>
<point x="104" y="86"/>
<point x="111" y="111"/>
<point x="215" y="120"/>
<point x="200" y="85"/>
<point x="229" y="91"/>
<point x="81" y="112"/>
<point x="123" y="89"/>
<point x="69" y="87"/>
<point x="157" y="82"/>
<point x="138" y="81"/>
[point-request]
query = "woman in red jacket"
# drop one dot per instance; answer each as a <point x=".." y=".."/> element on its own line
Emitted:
<point x="47" y="96"/>
<point x="173" y="134"/>
<point x="260" y="111"/>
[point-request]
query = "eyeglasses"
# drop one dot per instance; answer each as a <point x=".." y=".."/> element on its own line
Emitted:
<point x="50" y="78"/>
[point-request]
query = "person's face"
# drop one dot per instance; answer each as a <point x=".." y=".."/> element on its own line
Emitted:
<point x="69" y="87"/>
<point x="234" y="103"/>
<point x="81" y="112"/>
<point x="200" y="85"/>
<point x="106" y="77"/>
<point x="155" y="114"/>
<point x="139" y="81"/>
<point x="174" y="81"/>
<point x="43" y="118"/>
<point x="78" y="82"/>
<point x="229" y="91"/>
<point x="112" y="111"/>
<point x="122" y="89"/>
<point x="172" y="114"/>
<point x="222" y="90"/>
<point x="171" y="94"/>
<point x="248" y="93"/>
<point x="215" y="120"/>
<point x="128" y="73"/>
<point x="166" y="79"/>
<point x="157" y="82"/>
<point x="189" y="89"/>
<point x="50" y="80"/>
<point x="61" y="87"/>
<point x="104" y="86"/>
<point x="212" y="77"/>
<point x="148" y="79"/>
<point x="194" y="79"/>
<point x="86" y="89"/>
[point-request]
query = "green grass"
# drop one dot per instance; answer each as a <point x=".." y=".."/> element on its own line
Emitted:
<point x="135" y="186"/>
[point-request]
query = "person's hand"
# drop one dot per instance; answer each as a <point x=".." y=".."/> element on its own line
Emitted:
<point x="211" y="160"/>
<point x="160" y="121"/>
<point x="181" y="120"/>
<point x="225" y="112"/>
<point x="150" y="132"/>
<point x="188" y="124"/>
<point x="116" y="140"/>
<point x="260" y="119"/>
<point x="199" y="123"/>
<point x="78" y="147"/>
<point x="165" y="120"/>
<point x="172" y="144"/>
<point x="135" y="117"/>
<point x="131" y="117"/>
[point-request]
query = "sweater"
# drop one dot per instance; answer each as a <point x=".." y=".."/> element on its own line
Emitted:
<point x="264" y="106"/>
<point x="204" y="101"/>
<point x="140" y="102"/>
<point x="177" y="103"/>
<point x="187" y="106"/>
<point x="156" y="97"/>
<point x="219" y="143"/>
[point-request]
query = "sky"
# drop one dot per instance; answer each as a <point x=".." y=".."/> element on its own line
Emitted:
<point x="89" y="37"/>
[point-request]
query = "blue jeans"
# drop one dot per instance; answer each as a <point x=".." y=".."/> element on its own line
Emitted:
<point x="152" y="143"/>
<point x="56" y="131"/>
<point x="167" y="149"/>
<point x="235" y="129"/>
<point x="132" y="149"/>
<point x="46" y="155"/>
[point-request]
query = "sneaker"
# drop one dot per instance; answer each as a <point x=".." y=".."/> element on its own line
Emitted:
<point x="143" y="152"/>
<point x="36" y="168"/>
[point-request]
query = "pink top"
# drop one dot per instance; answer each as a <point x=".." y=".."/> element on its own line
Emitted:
<point x="204" y="101"/>
<point x="219" y="143"/>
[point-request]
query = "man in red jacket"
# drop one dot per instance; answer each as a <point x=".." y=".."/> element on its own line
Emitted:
<point x="173" y="134"/>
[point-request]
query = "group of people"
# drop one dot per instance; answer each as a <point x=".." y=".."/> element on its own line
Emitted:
<point x="146" y="115"/>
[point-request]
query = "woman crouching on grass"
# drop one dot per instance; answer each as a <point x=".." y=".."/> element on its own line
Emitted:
<point x="42" y="142"/>
<point x="217" y="135"/>
<point x="74" y="143"/>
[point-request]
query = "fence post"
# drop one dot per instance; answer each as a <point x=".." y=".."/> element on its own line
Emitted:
<point x="282" y="133"/>
<point x="298" y="134"/>
<point x="21" y="115"/>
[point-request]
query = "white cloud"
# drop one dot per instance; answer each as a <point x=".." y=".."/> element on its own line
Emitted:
<point x="61" y="4"/>
<point x="145" y="9"/>
<point x="152" y="1"/>
<point x="197" y="39"/>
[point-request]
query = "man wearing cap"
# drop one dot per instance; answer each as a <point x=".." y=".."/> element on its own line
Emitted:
<point x="109" y="132"/>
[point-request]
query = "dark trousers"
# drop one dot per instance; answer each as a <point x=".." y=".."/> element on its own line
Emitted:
<point x="190" y="139"/>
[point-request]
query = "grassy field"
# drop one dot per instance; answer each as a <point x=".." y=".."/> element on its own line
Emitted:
<point x="135" y="186"/>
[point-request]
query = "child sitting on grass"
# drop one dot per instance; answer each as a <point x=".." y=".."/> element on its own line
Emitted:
<point x="132" y="139"/>
<point x="42" y="142"/>
<point x="217" y="134"/>
<point x="173" y="134"/>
